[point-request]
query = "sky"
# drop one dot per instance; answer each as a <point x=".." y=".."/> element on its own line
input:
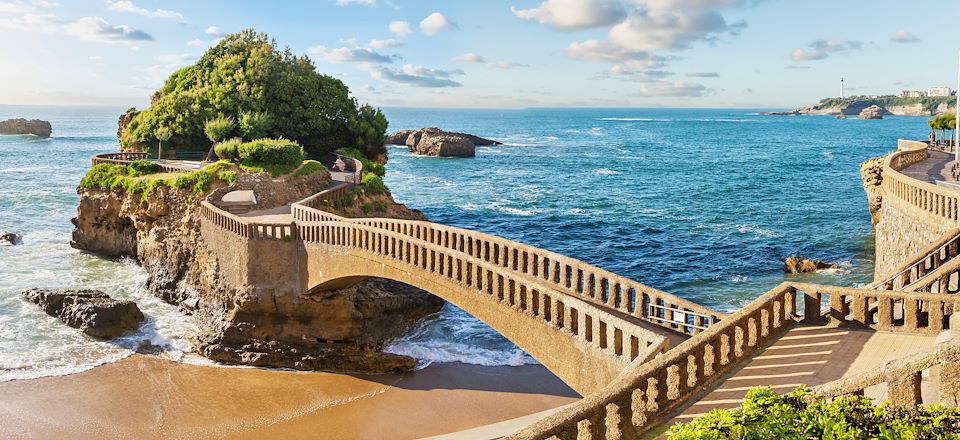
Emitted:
<point x="496" y="54"/>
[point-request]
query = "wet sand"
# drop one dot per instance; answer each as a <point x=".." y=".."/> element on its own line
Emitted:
<point x="146" y="397"/>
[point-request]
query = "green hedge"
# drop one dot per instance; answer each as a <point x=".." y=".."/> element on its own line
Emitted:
<point x="228" y="149"/>
<point x="271" y="152"/>
<point x="767" y="415"/>
<point x="139" y="168"/>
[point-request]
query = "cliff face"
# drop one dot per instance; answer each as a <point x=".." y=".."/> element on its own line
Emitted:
<point x="35" y="127"/>
<point x="871" y="173"/>
<point x="259" y="323"/>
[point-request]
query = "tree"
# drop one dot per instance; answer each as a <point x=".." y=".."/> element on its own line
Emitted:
<point x="950" y="123"/>
<point x="246" y="73"/>
<point x="370" y="127"/>
<point x="162" y="134"/>
<point x="255" y="125"/>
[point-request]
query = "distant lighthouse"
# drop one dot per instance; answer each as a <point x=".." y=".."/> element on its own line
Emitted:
<point x="841" y="88"/>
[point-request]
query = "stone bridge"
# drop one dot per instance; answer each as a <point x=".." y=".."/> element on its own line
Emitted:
<point x="584" y="324"/>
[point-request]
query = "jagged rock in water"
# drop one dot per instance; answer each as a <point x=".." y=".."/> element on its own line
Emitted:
<point x="805" y="265"/>
<point x="872" y="112"/>
<point x="91" y="311"/>
<point x="35" y="127"/>
<point x="439" y="143"/>
<point x="10" y="238"/>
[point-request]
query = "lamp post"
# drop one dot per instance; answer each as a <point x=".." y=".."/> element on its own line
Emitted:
<point x="956" y="115"/>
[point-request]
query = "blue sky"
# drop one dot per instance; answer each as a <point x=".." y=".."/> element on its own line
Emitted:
<point x="487" y="53"/>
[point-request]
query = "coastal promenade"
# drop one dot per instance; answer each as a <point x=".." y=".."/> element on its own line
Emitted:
<point x="641" y="358"/>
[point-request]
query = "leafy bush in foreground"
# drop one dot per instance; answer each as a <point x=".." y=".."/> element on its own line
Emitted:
<point x="767" y="415"/>
<point x="271" y="152"/>
<point x="228" y="149"/>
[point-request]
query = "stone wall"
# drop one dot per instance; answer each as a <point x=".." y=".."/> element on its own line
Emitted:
<point x="901" y="232"/>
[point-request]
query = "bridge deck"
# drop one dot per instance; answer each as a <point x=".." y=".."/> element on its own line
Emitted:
<point x="809" y="355"/>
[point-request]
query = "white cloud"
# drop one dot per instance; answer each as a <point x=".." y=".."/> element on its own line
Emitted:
<point x="15" y="8"/>
<point x="32" y="22"/>
<point x="195" y="42"/>
<point x="348" y="55"/>
<point x="418" y="76"/>
<point x="359" y="2"/>
<point x="574" y="14"/>
<point x="98" y="29"/>
<point x="178" y="58"/>
<point x="655" y="29"/>
<point x="128" y="6"/>
<point x="380" y="44"/>
<point x="821" y="49"/>
<point x="400" y="28"/>
<point x="505" y="65"/>
<point x="436" y="22"/>
<point x="215" y="31"/>
<point x="468" y="58"/>
<point x="671" y="88"/>
<point x="702" y="74"/>
<point x="904" y="37"/>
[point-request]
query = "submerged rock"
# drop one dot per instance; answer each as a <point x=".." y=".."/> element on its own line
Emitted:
<point x="805" y="265"/>
<point x="35" y="127"/>
<point x="10" y="238"/>
<point x="91" y="311"/>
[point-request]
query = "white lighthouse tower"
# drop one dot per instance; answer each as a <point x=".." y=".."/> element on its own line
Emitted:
<point x="841" y="89"/>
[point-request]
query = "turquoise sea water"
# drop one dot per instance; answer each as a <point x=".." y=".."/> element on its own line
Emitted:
<point x="701" y="203"/>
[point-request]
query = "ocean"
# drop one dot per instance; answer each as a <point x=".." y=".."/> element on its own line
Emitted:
<point x="701" y="203"/>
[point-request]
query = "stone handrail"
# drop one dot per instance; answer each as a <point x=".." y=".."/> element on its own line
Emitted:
<point x="655" y="389"/>
<point x="608" y="334"/>
<point x="903" y="377"/>
<point x="931" y="201"/>
<point x="878" y="309"/>
<point x="563" y="273"/>
<point x="244" y="228"/>
<point x="939" y="280"/>
<point x="924" y="262"/>
<point x="126" y="158"/>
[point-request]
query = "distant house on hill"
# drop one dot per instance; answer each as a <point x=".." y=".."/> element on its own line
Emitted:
<point x="913" y="93"/>
<point x="939" y="91"/>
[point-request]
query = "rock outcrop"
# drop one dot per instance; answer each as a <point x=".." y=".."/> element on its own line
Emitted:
<point x="263" y="324"/>
<point x="871" y="173"/>
<point x="439" y="143"/>
<point x="35" y="127"/>
<point x="91" y="311"/>
<point x="10" y="238"/>
<point x="805" y="265"/>
<point x="872" y="112"/>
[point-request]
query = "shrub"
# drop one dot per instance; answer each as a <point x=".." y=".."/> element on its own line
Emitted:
<point x="271" y="152"/>
<point x="228" y="177"/>
<point x="198" y="181"/>
<point x="309" y="167"/>
<point x="102" y="176"/>
<point x="372" y="184"/>
<point x="376" y="206"/>
<point x="255" y="125"/>
<point x="228" y="149"/>
<point x="139" y="168"/>
<point x="219" y="128"/>
<point x="767" y="415"/>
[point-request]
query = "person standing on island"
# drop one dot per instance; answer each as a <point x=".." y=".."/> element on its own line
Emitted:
<point x="339" y="165"/>
<point x="930" y="139"/>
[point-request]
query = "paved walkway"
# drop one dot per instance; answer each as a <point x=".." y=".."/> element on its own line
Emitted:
<point x="810" y="356"/>
<point x="936" y="167"/>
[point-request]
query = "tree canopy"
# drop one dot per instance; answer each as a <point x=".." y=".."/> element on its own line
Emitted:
<point x="273" y="93"/>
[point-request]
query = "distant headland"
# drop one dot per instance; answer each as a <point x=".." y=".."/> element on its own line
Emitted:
<point x="889" y="104"/>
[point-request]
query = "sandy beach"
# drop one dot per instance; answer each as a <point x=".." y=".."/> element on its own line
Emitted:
<point x="146" y="397"/>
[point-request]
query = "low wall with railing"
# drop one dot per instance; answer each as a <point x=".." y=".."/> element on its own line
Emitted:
<point x="126" y="158"/>
<point x="913" y="213"/>
<point x="922" y="264"/>
<point x="357" y="167"/>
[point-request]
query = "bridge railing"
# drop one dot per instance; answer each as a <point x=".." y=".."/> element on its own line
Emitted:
<point x="604" y="331"/>
<point x="245" y="228"/>
<point x="125" y="158"/>
<point x="653" y="390"/>
<point x="904" y="376"/>
<point x="925" y="262"/>
<point x="930" y="199"/>
<point x="563" y="273"/>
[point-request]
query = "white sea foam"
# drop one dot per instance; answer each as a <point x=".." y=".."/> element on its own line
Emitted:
<point x="605" y="171"/>
<point x="635" y="119"/>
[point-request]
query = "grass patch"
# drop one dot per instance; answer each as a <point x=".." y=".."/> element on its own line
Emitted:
<point x="308" y="167"/>
<point x="139" y="168"/>
<point x="374" y="207"/>
<point x="118" y="177"/>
